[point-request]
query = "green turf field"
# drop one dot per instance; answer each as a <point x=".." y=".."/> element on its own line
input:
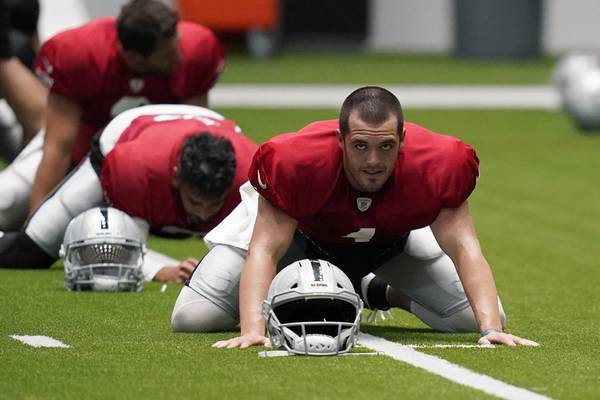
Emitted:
<point x="383" y="69"/>
<point x="536" y="207"/>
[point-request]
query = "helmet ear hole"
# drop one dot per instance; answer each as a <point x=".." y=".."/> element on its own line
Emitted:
<point x="294" y="286"/>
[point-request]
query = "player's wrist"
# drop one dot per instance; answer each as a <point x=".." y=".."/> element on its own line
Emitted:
<point x="488" y="331"/>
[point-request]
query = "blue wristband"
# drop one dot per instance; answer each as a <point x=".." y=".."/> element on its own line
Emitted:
<point x="490" y="330"/>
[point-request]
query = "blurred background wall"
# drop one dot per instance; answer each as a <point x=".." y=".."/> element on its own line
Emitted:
<point x="417" y="26"/>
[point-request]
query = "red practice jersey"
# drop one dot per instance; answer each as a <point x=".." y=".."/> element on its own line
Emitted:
<point x="136" y="175"/>
<point x="84" y="65"/>
<point x="301" y="174"/>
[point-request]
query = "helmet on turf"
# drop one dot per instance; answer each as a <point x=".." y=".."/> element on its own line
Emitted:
<point x="103" y="250"/>
<point x="312" y="309"/>
<point x="572" y="65"/>
<point x="582" y="99"/>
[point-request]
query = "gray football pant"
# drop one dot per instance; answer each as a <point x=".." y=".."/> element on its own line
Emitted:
<point x="210" y="300"/>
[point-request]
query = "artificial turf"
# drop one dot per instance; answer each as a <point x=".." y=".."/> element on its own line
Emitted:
<point x="363" y="68"/>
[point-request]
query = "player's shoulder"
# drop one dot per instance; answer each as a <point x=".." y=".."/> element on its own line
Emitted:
<point x="312" y="146"/>
<point x="437" y="158"/>
<point x="429" y="144"/>
<point x="191" y="31"/>
<point x="195" y="38"/>
<point x="80" y="36"/>
<point x="301" y="156"/>
<point x="93" y="40"/>
<point x="312" y="135"/>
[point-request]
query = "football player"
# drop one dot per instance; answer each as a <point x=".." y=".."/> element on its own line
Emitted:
<point x="175" y="168"/>
<point x="374" y="181"/>
<point x="95" y="72"/>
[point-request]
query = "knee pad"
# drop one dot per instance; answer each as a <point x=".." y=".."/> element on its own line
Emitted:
<point x="195" y="313"/>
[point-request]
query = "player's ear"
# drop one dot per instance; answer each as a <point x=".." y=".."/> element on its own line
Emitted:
<point x="340" y="138"/>
<point x="402" y="135"/>
<point x="175" y="177"/>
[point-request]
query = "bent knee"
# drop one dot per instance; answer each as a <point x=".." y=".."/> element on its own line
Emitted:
<point x="195" y="313"/>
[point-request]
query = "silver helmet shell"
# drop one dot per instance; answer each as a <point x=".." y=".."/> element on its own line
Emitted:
<point x="582" y="100"/>
<point x="312" y="309"/>
<point x="103" y="250"/>
<point x="570" y="66"/>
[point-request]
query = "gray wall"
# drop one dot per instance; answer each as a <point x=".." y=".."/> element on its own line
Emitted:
<point x="420" y="26"/>
<point x="428" y="25"/>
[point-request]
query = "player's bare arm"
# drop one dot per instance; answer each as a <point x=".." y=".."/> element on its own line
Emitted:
<point x="176" y="273"/>
<point x="272" y="235"/>
<point x="25" y="94"/>
<point x="62" y="124"/>
<point x="198" y="100"/>
<point x="455" y="233"/>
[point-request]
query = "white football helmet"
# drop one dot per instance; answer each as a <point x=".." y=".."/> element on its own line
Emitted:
<point x="582" y="99"/>
<point x="103" y="250"/>
<point x="312" y="309"/>
<point x="571" y="66"/>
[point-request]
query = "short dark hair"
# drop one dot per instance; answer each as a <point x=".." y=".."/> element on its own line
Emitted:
<point x="374" y="105"/>
<point x="207" y="164"/>
<point x="143" y="23"/>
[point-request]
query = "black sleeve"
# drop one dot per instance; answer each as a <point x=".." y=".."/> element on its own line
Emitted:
<point x="5" y="46"/>
<point x="17" y="250"/>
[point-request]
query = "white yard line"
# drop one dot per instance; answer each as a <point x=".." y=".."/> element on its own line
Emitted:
<point x="411" y="96"/>
<point x="448" y="370"/>
<point x="40" y="341"/>
<point x="450" y="346"/>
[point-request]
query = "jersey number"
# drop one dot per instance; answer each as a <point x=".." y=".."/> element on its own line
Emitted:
<point x="362" y="235"/>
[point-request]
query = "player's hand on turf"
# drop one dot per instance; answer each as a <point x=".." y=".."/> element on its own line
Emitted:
<point x="178" y="273"/>
<point x="243" y="342"/>
<point x="506" y="339"/>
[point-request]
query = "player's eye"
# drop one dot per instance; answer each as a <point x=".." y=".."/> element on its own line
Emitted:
<point x="360" y="146"/>
<point x="386" y="146"/>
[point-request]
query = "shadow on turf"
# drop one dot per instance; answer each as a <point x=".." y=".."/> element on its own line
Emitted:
<point x="419" y="335"/>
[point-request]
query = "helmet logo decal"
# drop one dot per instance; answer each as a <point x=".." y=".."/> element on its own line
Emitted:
<point x="103" y="218"/>
<point x="363" y="203"/>
<point x="317" y="271"/>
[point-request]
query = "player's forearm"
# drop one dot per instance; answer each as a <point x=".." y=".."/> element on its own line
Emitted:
<point x="48" y="175"/>
<point x="254" y="284"/>
<point x="25" y="94"/>
<point x="480" y="288"/>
